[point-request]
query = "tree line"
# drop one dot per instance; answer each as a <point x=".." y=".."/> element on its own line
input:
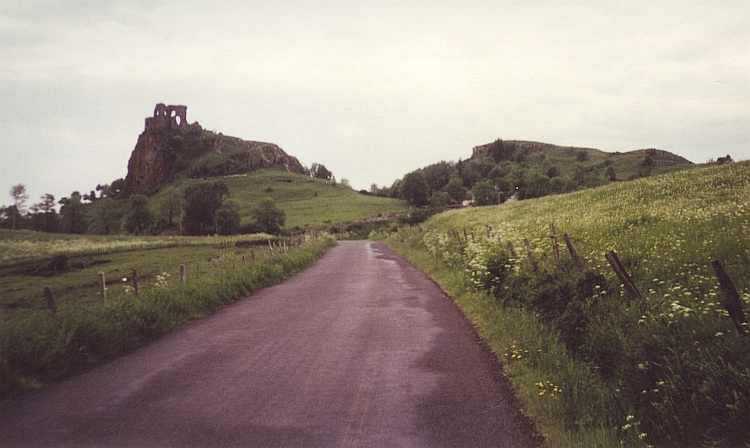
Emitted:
<point x="204" y="208"/>
<point x="501" y="173"/>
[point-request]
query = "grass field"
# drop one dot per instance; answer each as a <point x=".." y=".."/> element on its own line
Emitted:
<point x="667" y="369"/>
<point x="307" y="202"/>
<point x="36" y="346"/>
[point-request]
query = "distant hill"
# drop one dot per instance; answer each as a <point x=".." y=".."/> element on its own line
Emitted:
<point x="170" y="148"/>
<point x="625" y="164"/>
<point x="515" y="170"/>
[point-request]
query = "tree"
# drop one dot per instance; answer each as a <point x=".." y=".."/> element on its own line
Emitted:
<point x="414" y="188"/>
<point x="438" y="174"/>
<point x="439" y="201"/>
<point x="170" y="205"/>
<point x="484" y="193"/>
<point x="268" y="218"/>
<point x="456" y="190"/>
<point x="105" y="217"/>
<point x="535" y="185"/>
<point x="201" y="203"/>
<point x="645" y="167"/>
<point x="18" y="192"/>
<point x="610" y="172"/>
<point x="44" y="217"/>
<point x="227" y="218"/>
<point x="320" y="172"/>
<point x="139" y="216"/>
<point x="73" y="216"/>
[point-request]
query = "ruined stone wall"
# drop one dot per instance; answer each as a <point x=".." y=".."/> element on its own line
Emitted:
<point x="172" y="117"/>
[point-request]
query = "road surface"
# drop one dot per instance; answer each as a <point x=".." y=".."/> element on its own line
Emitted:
<point x="360" y="349"/>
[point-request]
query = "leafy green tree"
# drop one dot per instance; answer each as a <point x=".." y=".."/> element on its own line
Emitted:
<point x="44" y="217"/>
<point x="139" y="217"/>
<point x="438" y="174"/>
<point x="74" y="220"/>
<point x="484" y="193"/>
<point x="645" y="167"/>
<point x="170" y="205"/>
<point x="105" y="217"/>
<point x="268" y="218"/>
<point x="439" y="201"/>
<point x="456" y="190"/>
<point x="472" y="172"/>
<point x="319" y="171"/>
<point x="611" y="174"/>
<point x="18" y="193"/>
<point x="415" y="189"/>
<point x="535" y="185"/>
<point x="201" y="203"/>
<point x="228" y="218"/>
<point x="497" y="151"/>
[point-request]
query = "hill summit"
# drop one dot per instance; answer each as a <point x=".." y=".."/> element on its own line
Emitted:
<point x="169" y="148"/>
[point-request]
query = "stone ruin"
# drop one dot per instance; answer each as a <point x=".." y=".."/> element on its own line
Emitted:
<point x="171" y="117"/>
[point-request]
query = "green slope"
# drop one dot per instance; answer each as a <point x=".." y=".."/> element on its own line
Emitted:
<point x="667" y="369"/>
<point x="307" y="202"/>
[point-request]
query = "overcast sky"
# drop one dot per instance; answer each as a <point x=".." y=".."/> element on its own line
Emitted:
<point x="370" y="89"/>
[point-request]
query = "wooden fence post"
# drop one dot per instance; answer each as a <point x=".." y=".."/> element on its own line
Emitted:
<point x="622" y="274"/>
<point x="51" y="302"/>
<point x="213" y="267"/>
<point x="572" y="251"/>
<point x="252" y="255"/>
<point x="198" y="270"/>
<point x="511" y="248"/>
<point x="466" y="236"/>
<point x="136" y="281"/>
<point x="527" y="243"/>
<point x="488" y="229"/>
<point x="730" y="298"/>
<point x="554" y="241"/>
<point x="102" y="287"/>
<point x="182" y="273"/>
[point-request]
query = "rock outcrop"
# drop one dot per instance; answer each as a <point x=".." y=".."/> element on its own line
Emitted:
<point x="170" y="147"/>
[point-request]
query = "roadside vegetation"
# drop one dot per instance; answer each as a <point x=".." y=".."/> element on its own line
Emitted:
<point x="593" y="365"/>
<point x="38" y="345"/>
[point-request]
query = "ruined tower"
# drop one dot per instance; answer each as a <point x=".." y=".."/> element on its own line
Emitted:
<point x="172" y="117"/>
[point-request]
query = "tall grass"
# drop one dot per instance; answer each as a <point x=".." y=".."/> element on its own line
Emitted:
<point x="669" y="369"/>
<point x="42" y="347"/>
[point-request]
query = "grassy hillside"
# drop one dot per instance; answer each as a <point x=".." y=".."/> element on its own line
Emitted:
<point x="592" y="364"/>
<point x="625" y="164"/>
<point x="307" y="202"/>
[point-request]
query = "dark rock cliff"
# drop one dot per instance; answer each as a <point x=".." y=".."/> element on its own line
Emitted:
<point x="170" y="148"/>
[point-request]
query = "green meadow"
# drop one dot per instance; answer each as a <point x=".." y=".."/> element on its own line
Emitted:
<point x="593" y="365"/>
<point x="308" y="202"/>
<point x="38" y="346"/>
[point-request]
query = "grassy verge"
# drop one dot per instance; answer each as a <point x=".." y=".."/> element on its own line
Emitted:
<point x="563" y="397"/>
<point x="667" y="368"/>
<point x="37" y="347"/>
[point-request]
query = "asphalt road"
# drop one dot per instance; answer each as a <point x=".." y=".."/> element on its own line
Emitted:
<point x="360" y="349"/>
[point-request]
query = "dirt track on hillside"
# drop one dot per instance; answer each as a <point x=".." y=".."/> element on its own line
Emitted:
<point x="361" y="349"/>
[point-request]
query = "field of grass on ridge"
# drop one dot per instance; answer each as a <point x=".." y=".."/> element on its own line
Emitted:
<point x="668" y="370"/>
<point x="308" y="202"/>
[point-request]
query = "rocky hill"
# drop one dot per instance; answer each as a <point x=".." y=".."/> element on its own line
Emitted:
<point x="169" y="148"/>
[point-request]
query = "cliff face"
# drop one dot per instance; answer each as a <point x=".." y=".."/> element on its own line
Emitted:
<point x="169" y="148"/>
<point x="151" y="164"/>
